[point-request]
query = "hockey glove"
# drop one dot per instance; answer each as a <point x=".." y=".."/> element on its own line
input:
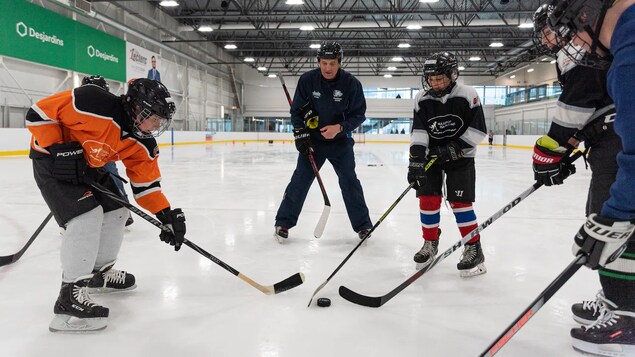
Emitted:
<point x="446" y="153"/>
<point x="175" y="221"/>
<point x="602" y="239"/>
<point x="69" y="163"/>
<point x="310" y="117"/>
<point x="302" y="141"/>
<point x="417" y="173"/>
<point x="551" y="162"/>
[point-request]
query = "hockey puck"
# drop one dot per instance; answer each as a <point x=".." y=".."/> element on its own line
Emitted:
<point x="324" y="302"/>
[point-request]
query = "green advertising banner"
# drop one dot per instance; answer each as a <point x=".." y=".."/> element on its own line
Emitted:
<point x="32" y="33"/>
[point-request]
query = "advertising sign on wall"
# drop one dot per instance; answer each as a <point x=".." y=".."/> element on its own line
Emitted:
<point x="139" y="63"/>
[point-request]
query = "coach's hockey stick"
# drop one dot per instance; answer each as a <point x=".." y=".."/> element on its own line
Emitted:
<point x="286" y="284"/>
<point x="381" y="219"/>
<point x="319" y="228"/>
<point x="14" y="257"/>
<point x="535" y="305"/>
<point x="377" y="301"/>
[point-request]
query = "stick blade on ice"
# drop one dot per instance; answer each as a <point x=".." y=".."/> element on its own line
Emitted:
<point x="289" y="283"/>
<point x="319" y="228"/>
<point x="355" y="298"/>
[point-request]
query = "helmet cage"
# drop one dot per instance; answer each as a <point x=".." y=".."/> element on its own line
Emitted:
<point x="442" y="63"/>
<point x="149" y="100"/>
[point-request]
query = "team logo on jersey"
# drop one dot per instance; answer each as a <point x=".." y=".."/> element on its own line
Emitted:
<point x="337" y="95"/>
<point x="445" y="126"/>
<point x="317" y="95"/>
<point x="98" y="154"/>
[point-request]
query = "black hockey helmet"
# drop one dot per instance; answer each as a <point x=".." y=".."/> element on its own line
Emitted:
<point x="569" y="17"/>
<point x="440" y="63"/>
<point x="149" y="99"/>
<point x="330" y="50"/>
<point x="540" y="23"/>
<point x="96" y="80"/>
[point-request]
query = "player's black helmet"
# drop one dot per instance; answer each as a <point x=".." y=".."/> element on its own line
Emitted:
<point x="540" y="22"/>
<point x="330" y="50"/>
<point x="571" y="16"/>
<point x="437" y="64"/>
<point x="96" y="80"/>
<point x="149" y="99"/>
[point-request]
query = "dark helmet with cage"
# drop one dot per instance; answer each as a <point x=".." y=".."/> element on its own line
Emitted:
<point x="541" y="27"/>
<point x="96" y="80"/>
<point x="569" y="17"/>
<point x="150" y="107"/>
<point x="330" y="50"/>
<point x="440" y="63"/>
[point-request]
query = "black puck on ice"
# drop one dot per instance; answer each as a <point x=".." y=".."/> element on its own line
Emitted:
<point x="324" y="302"/>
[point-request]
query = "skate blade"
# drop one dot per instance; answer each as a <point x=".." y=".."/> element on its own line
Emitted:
<point x="70" y="324"/>
<point x="105" y="290"/>
<point x="608" y="349"/>
<point x="477" y="270"/>
<point x="280" y="240"/>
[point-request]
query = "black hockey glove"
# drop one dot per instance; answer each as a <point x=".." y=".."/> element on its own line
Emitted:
<point x="602" y="239"/>
<point x="592" y="131"/>
<point x="302" y="140"/>
<point x="551" y="162"/>
<point x="69" y="163"/>
<point x="446" y="153"/>
<point x="175" y="220"/>
<point x="310" y="117"/>
<point x="417" y="172"/>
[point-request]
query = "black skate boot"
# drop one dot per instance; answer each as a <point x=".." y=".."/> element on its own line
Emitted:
<point x="612" y="334"/>
<point x="363" y="233"/>
<point x="424" y="256"/>
<point x="75" y="312"/>
<point x="108" y="280"/>
<point x="587" y="312"/>
<point x="129" y="221"/>
<point x="472" y="260"/>
<point x="281" y="234"/>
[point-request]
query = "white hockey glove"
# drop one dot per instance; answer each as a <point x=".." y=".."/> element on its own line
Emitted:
<point x="602" y="239"/>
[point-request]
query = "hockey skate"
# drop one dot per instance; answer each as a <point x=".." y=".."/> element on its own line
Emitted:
<point x="612" y="334"/>
<point x="587" y="312"/>
<point x="361" y="234"/>
<point x="75" y="312"/>
<point x="472" y="260"/>
<point x="108" y="280"/>
<point x="281" y="234"/>
<point x="424" y="257"/>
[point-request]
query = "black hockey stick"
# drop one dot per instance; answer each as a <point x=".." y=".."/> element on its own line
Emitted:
<point x="377" y="301"/>
<point x="286" y="284"/>
<point x="14" y="257"/>
<point x="535" y="305"/>
<point x="368" y="234"/>
<point x="319" y="228"/>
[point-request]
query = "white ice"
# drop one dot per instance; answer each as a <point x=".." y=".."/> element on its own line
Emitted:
<point x="186" y="305"/>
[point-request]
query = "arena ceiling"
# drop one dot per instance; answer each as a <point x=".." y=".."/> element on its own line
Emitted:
<point x="278" y="35"/>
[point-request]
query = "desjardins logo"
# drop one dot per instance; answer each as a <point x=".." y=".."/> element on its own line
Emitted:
<point x="94" y="52"/>
<point x="23" y="31"/>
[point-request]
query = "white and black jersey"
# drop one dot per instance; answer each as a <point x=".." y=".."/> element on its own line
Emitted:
<point x="584" y="98"/>
<point x="456" y="116"/>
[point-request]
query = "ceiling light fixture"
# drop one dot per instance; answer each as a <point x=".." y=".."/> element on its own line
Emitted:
<point x="387" y="75"/>
<point x="168" y="3"/>
<point x="414" y="27"/>
<point x="307" y="28"/>
<point x="249" y="59"/>
<point x="294" y="2"/>
<point x="475" y="58"/>
<point x="512" y="76"/>
<point x="403" y="45"/>
<point x="230" y="47"/>
<point x="428" y="1"/>
<point x="526" y="25"/>
<point x="262" y="68"/>
<point x="496" y="44"/>
<point x="397" y="59"/>
<point x="391" y="68"/>
<point x="272" y="76"/>
<point x="461" y="68"/>
<point x="530" y="70"/>
<point x="315" y="45"/>
<point x="206" y="28"/>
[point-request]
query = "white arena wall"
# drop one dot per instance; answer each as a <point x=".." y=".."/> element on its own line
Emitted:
<point x="15" y="141"/>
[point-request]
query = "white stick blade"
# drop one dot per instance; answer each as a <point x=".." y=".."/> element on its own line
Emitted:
<point x="319" y="229"/>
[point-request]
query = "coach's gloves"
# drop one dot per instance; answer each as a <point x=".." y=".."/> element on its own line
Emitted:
<point x="175" y="221"/>
<point x="602" y="239"/>
<point x="551" y="162"/>
<point x="445" y="153"/>
<point x="69" y="163"/>
<point x="309" y="116"/>
<point x="302" y="140"/>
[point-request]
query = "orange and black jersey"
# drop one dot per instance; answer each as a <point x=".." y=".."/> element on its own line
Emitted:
<point x="95" y="118"/>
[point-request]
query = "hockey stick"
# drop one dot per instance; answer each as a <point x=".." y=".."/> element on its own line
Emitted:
<point x="377" y="301"/>
<point x="535" y="305"/>
<point x="319" y="228"/>
<point x="286" y="284"/>
<point x="14" y="257"/>
<point x="368" y="234"/>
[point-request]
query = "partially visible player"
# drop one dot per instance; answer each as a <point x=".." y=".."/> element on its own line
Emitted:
<point x="447" y="125"/>
<point x="75" y="133"/>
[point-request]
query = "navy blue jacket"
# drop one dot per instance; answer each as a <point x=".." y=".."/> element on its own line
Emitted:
<point x="339" y="101"/>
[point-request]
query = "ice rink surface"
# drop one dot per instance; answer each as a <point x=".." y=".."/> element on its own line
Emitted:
<point x="185" y="305"/>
